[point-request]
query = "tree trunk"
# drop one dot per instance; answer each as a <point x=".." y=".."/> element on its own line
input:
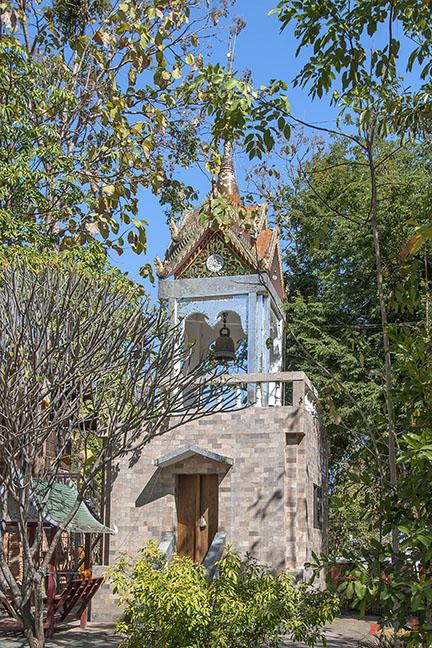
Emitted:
<point x="33" y="625"/>
<point x="386" y="345"/>
<point x="35" y="639"/>
<point x="32" y="615"/>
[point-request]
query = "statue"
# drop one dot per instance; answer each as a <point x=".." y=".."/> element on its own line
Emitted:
<point x="159" y="266"/>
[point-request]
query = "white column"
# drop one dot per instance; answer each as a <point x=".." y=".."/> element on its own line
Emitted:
<point x="252" y="333"/>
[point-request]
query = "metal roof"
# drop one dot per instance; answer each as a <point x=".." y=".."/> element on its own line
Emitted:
<point x="60" y="501"/>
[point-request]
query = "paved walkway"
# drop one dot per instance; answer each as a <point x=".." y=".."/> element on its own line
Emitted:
<point x="96" y="635"/>
<point x="344" y="632"/>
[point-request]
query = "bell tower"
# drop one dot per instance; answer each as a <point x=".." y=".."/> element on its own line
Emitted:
<point x="254" y="476"/>
<point x="222" y="272"/>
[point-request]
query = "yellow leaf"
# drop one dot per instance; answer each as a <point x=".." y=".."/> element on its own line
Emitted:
<point x="108" y="189"/>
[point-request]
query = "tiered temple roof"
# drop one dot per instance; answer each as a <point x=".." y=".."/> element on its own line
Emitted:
<point x="243" y="245"/>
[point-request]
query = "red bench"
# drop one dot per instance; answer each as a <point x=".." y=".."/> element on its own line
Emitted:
<point x="70" y="605"/>
<point x="73" y="601"/>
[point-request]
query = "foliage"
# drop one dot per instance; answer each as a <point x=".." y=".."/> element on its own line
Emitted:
<point x="173" y="604"/>
<point x="322" y="208"/>
<point x="89" y="93"/>
<point x="78" y="353"/>
<point x="29" y="149"/>
<point x="100" y="101"/>
<point x="333" y="310"/>
<point x="333" y="313"/>
<point x="240" y="112"/>
<point x="357" y="49"/>
<point x="354" y="515"/>
<point x="401" y="583"/>
<point x="73" y="17"/>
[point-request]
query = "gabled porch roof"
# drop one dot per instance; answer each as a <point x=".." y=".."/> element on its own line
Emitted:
<point x="187" y="451"/>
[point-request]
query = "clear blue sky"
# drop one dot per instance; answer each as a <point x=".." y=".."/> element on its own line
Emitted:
<point x="268" y="54"/>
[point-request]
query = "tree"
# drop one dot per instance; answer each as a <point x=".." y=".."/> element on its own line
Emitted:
<point x="78" y="353"/>
<point x="401" y="583"/>
<point x="91" y="102"/>
<point x="322" y="209"/>
<point x="100" y="101"/>
<point x="173" y="604"/>
<point x="356" y="54"/>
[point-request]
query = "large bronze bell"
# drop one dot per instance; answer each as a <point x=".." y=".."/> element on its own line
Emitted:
<point x="224" y="348"/>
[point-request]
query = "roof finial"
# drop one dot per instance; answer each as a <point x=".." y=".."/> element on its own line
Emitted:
<point x="227" y="183"/>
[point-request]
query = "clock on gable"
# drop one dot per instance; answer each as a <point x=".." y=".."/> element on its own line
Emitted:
<point x="215" y="262"/>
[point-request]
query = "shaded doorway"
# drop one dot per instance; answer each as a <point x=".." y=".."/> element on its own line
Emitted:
<point x="197" y="514"/>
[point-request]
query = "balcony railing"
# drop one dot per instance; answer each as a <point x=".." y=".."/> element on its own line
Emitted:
<point x="287" y="388"/>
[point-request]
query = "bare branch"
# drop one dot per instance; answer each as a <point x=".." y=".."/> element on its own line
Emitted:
<point x="82" y="361"/>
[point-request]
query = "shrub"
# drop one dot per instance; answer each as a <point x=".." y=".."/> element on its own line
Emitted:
<point x="246" y="605"/>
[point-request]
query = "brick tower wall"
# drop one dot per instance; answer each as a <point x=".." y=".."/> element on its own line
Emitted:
<point x="265" y="497"/>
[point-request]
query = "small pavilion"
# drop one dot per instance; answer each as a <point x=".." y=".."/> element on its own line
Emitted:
<point x="69" y="583"/>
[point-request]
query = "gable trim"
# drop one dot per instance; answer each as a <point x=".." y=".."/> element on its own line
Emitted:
<point x="187" y="451"/>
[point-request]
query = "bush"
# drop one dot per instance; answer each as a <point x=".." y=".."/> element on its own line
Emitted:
<point x="245" y="606"/>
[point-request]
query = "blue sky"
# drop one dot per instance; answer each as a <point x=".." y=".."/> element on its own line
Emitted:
<point x="268" y="54"/>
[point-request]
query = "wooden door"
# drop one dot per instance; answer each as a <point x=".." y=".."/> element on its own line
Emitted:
<point x="197" y="514"/>
<point x="208" y="512"/>
<point x="188" y="491"/>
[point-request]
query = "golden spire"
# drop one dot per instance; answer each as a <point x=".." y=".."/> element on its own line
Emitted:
<point x="227" y="183"/>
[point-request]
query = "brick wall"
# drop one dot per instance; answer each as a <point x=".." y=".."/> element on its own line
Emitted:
<point x="265" y="497"/>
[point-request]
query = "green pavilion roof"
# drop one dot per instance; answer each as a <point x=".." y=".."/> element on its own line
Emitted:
<point x="61" y="499"/>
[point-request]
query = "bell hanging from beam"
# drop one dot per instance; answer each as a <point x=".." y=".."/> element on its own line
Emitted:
<point x="224" y="348"/>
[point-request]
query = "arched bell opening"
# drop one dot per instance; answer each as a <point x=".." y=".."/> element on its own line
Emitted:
<point x="197" y="332"/>
<point x="201" y="338"/>
<point x="229" y="346"/>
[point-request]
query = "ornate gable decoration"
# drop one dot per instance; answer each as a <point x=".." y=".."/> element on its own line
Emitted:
<point x="248" y="246"/>
<point x="214" y="258"/>
<point x="253" y="250"/>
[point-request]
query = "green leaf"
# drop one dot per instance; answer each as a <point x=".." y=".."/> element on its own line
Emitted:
<point x="360" y="589"/>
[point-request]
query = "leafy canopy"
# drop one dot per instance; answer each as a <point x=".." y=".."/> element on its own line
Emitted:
<point x="93" y="102"/>
<point x="113" y="98"/>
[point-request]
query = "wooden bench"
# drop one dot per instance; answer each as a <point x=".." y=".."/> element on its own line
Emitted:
<point x="77" y="594"/>
<point x="72" y="603"/>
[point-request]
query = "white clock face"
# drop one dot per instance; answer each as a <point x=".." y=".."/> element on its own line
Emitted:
<point x="215" y="263"/>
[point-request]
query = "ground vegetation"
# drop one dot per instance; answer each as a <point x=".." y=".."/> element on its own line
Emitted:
<point x="246" y="605"/>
